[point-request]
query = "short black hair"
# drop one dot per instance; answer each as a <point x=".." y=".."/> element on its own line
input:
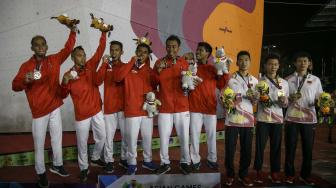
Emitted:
<point x="302" y="54"/>
<point x="37" y="37"/>
<point x="243" y="52"/>
<point x="144" y="45"/>
<point x="272" y="56"/>
<point x="172" y="38"/>
<point x="77" y="48"/>
<point x="115" y="42"/>
<point x="206" y="46"/>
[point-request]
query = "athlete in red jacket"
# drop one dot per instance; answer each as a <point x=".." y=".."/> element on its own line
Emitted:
<point x="203" y="101"/>
<point x="175" y="106"/>
<point x="136" y="75"/>
<point x="80" y="83"/>
<point x="113" y="104"/>
<point x="39" y="78"/>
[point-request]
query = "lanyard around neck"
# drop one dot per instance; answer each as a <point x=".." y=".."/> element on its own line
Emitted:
<point x="248" y="80"/>
<point x="300" y="85"/>
<point x="276" y="84"/>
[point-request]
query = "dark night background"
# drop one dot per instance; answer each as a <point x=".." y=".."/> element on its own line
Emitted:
<point x="309" y="25"/>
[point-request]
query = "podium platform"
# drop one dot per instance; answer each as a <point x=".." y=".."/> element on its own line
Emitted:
<point x="195" y="180"/>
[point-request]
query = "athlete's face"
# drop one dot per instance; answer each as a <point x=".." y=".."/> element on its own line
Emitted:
<point x="172" y="48"/>
<point x="272" y="66"/>
<point x="243" y="62"/>
<point x="302" y="64"/>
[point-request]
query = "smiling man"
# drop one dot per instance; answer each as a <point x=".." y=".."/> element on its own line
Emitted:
<point x="113" y="104"/>
<point x="80" y="83"/>
<point x="203" y="103"/>
<point x="175" y="105"/>
<point x="39" y="78"/>
<point x="136" y="75"/>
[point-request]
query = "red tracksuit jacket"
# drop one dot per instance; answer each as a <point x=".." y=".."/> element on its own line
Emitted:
<point x="203" y="98"/>
<point x="84" y="90"/>
<point x="113" y="91"/>
<point x="42" y="94"/>
<point x="170" y="89"/>
<point x="137" y="84"/>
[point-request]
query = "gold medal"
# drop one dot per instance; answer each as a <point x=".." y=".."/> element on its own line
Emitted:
<point x="249" y="92"/>
<point x="298" y="95"/>
<point x="281" y="93"/>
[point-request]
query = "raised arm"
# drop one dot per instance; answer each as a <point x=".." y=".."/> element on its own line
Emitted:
<point x="64" y="53"/>
<point x="121" y="72"/>
<point x="100" y="75"/>
<point x="222" y="81"/>
<point x="155" y="75"/>
<point x="65" y="87"/>
<point x="94" y="60"/>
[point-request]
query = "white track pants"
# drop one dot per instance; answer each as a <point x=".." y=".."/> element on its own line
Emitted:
<point x="82" y="133"/>
<point x="112" y="121"/>
<point x="133" y="125"/>
<point x="196" y="122"/>
<point x="39" y="130"/>
<point x="181" y="121"/>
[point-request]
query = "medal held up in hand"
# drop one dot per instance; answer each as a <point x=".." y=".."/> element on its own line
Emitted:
<point x="298" y="93"/>
<point x="37" y="74"/>
<point x="281" y="93"/>
<point x="37" y="71"/>
<point x="74" y="74"/>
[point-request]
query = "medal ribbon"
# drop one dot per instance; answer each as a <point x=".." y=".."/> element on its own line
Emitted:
<point x="38" y="66"/>
<point x="138" y="64"/>
<point x="301" y="83"/>
<point x="248" y="80"/>
<point x="276" y="84"/>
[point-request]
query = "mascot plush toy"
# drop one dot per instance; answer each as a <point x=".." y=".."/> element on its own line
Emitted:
<point x="222" y="62"/>
<point x="65" y="20"/>
<point x="151" y="104"/>
<point x="189" y="57"/>
<point x="189" y="78"/>
<point x="263" y="89"/>
<point x="98" y="23"/>
<point x="228" y="98"/>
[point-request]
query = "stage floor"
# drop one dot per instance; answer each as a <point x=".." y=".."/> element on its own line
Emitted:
<point x="324" y="165"/>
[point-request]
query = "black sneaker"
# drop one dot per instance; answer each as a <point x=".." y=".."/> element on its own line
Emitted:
<point x="84" y="175"/>
<point x="164" y="168"/>
<point x="123" y="163"/>
<point x="59" y="170"/>
<point x="98" y="162"/>
<point x="109" y="168"/>
<point x="185" y="168"/>
<point x="197" y="166"/>
<point x="212" y="165"/>
<point x="43" y="180"/>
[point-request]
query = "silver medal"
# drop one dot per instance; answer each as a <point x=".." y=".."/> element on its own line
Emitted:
<point x="74" y="74"/>
<point x="37" y="75"/>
